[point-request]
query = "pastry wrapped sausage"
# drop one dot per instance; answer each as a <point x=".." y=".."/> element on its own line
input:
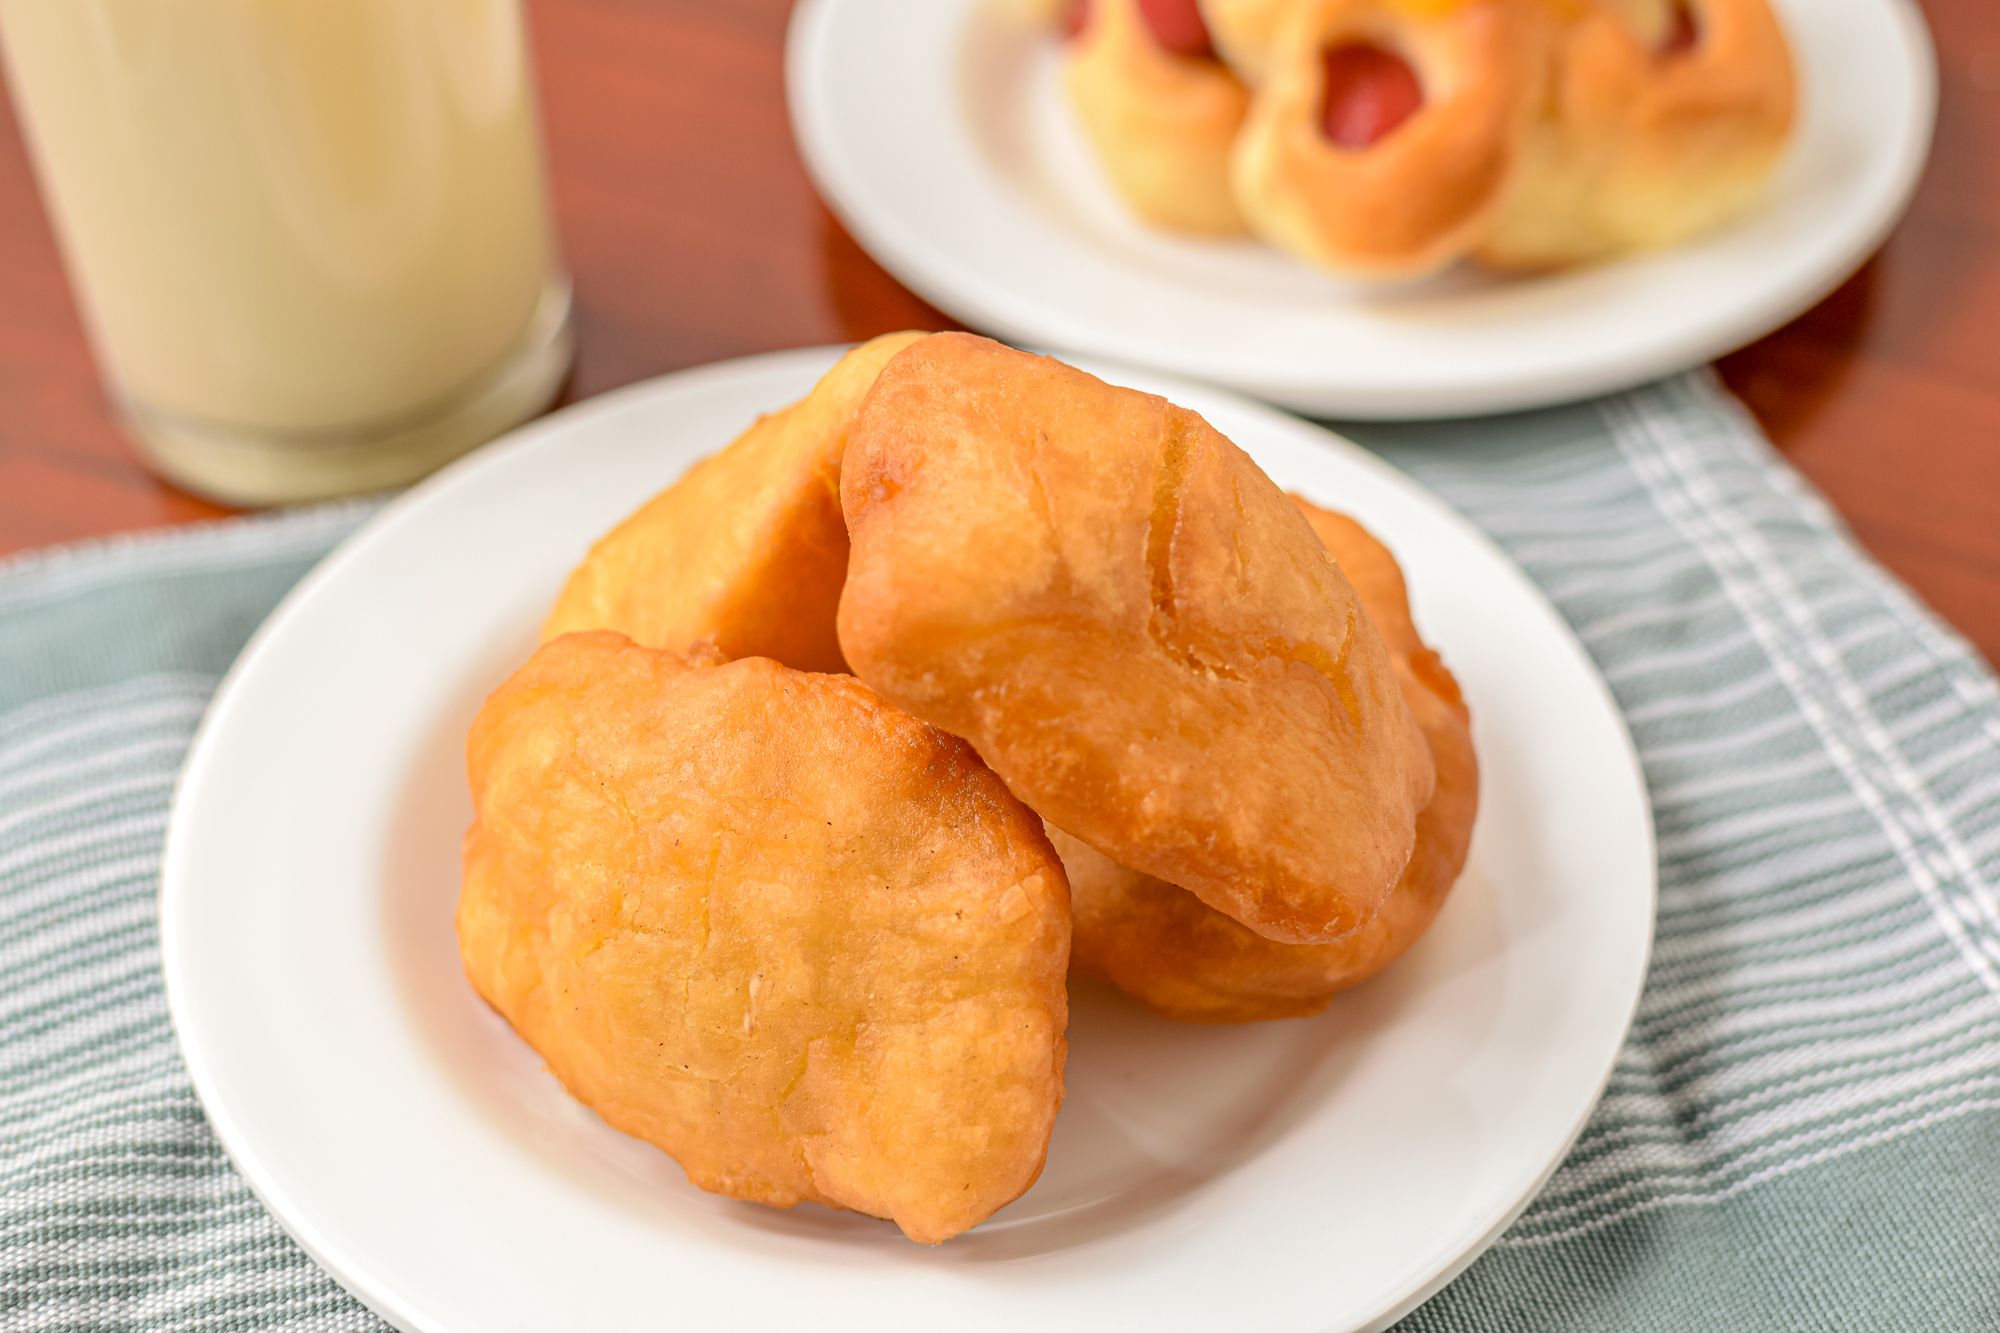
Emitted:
<point x="1385" y="136"/>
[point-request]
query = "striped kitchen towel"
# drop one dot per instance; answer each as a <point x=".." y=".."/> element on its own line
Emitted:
<point x="1803" y="1132"/>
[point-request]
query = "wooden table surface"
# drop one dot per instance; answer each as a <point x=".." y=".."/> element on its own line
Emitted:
<point x="693" y="235"/>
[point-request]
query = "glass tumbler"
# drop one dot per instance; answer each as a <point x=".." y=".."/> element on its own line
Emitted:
<point x="310" y="238"/>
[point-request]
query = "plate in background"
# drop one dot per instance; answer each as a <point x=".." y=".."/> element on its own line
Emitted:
<point x="1310" y="1174"/>
<point x="939" y="133"/>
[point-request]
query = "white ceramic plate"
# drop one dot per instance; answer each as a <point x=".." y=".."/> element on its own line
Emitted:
<point x="939" y="134"/>
<point x="1319" y="1174"/>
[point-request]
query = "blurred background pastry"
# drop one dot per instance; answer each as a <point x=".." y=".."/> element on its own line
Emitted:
<point x="1382" y="142"/>
<point x="1393" y="138"/>
<point x="1244" y="32"/>
<point x="1161" y="111"/>
<point x="1663" y="119"/>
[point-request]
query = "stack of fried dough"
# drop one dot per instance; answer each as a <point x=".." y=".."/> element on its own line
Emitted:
<point x="965" y="670"/>
<point x="1391" y="138"/>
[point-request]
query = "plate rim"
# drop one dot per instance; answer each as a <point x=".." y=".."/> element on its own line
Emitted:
<point x="956" y="288"/>
<point x="176" y="876"/>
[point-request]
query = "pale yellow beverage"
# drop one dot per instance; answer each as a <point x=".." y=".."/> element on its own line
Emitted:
<point x="310" y="238"/>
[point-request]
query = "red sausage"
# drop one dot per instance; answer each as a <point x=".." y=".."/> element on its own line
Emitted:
<point x="1178" y="27"/>
<point x="1684" y="32"/>
<point x="1369" y="92"/>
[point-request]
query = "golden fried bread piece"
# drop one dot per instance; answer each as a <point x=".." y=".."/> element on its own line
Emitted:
<point x="796" y="938"/>
<point x="1135" y="628"/>
<point x="1189" y="961"/>
<point x="1161" y="112"/>
<point x="748" y="549"/>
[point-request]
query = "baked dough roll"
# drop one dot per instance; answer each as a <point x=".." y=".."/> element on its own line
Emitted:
<point x="1245" y="31"/>
<point x="1161" y="112"/>
<point x="1386" y="134"/>
<point x="1664" y="119"/>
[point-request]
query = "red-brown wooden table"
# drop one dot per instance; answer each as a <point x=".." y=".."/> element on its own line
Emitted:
<point x="693" y="234"/>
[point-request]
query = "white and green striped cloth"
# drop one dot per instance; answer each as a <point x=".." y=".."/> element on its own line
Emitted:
<point x="1804" y="1131"/>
